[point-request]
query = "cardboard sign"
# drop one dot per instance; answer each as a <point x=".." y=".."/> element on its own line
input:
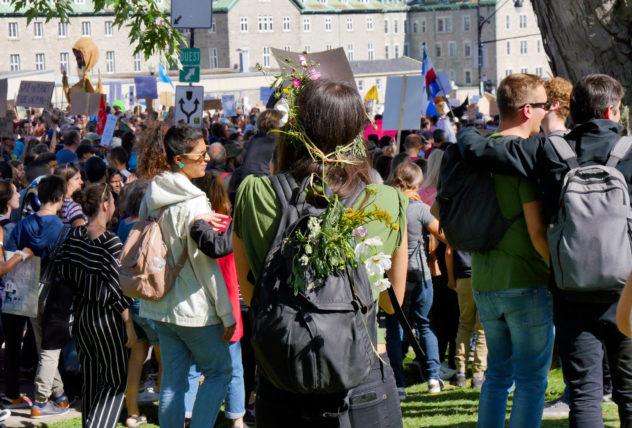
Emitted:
<point x="21" y="288"/>
<point x="3" y="97"/>
<point x="228" y="102"/>
<point x="404" y="102"/>
<point x="166" y="99"/>
<point x="35" y="94"/>
<point x="331" y="64"/>
<point x="85" y="103"/>
<point x="108" y="131"/>
<point x="214" y="104"/>
<point x="146" y="87"/>
<point x="6" y="127"/>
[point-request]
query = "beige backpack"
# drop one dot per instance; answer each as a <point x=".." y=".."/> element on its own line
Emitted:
<point x="145" y="270"/>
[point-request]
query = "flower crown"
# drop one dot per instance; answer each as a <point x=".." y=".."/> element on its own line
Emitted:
<point x="287" y="87"/>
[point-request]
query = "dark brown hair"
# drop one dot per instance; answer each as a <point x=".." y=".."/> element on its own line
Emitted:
<point x="6" y="193"/>
<point x="268" y="120"/>
<point x="332" y="115"/>
<point x="213" y="186"/>
<point x="92" y="197"/>
<point x="592" y="96"/>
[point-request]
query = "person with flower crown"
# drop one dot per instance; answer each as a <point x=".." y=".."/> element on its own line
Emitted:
<point x="322" y="138"/>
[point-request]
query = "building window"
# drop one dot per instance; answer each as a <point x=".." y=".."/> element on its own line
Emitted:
<point x="467" y="50"/>
<point x="369" y="24"/>
<point x="524" y="70"/>
<point x="38" y="30"/>
<point x="415" y="26"/>
<point x="444" y="25"/>
<point x="523" y="21"/>
<point x="508" y="48"/>
<point x="85" y="28"/>
<point x="13" y="30"/>
<point x="468" y="77"/>
<point x="14" y="61"/>
<point x="539" y="71"/>
<point x="308" y="48"/>
<point x="406" y="25"/>
<point x="423" y="25"/>
<point x="539" y="46"/>
<point x="370" y="52"/>
<point x="396" y="51"/>
<point x="286" y="23"/>
<point x="406" y="50"/>
<point x="243" y="24"/>
<point x="62" y="30"/>
<point x="467" y="24"/>
<point x="80" y="1"/>
<point x="328" y="47"/>
<point x="307" y="25"/>
<point x="110" y="67"/>
<point x="452" y="75"/>
<point x="328" y="24"/>
<point x="287" y="48"/>
<point x="108" y="28"/>
<point x="40" y="61"/>
<point x="386" y="52"/>
<point x="507" y="22"/>
<point x="523" y="47"/>
<point x="451" y="49"/>
<point x="350" y="52"/>
<point x="264" y="23"/>
<point x="386" y="26"/>
<point x="64" y="60"/>
<point x="266" y="57"/>
<point x="508" y="72"/>
<point x="212" y="58"/>
<point x="378" y="83"/>
<point x="360" y="85"/>
<point x="349" y="24"/>
<point x="395" y="26"/>
<point x="138" y="62"/>
<point x="213" y="28"/>
<point x="438" y="50"/>
<point x="322" y="1"/>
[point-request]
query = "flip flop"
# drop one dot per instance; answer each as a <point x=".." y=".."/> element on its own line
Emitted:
<point x="134" y="421"/>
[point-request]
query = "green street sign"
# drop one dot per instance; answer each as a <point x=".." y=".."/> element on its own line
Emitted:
<point x="190" y="56"/>
<point x="190" y="73"/>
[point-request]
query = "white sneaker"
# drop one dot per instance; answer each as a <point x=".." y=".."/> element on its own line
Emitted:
<point x="556" y="409"/>
<point x="4" y="414"/>
<point x="435" y="386"/>
<point x="402" y="393"/>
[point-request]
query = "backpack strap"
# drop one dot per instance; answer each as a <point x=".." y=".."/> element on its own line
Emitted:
<point x="618" y="152"/>
<point x="564" y="150"/>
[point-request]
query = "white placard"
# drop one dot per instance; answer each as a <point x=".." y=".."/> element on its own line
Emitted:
<point x="189" y="105"/>
<point x="108" y="130"/>
<point x="229" y="106"/>
<point x="191" y="13"/>
<point x="412" y="103"/>
<point x="21" y="287"/>
<point x="35" y="94"/>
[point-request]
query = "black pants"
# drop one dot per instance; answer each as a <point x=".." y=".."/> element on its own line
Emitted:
<point x="374" y="404"/>
<point x="13" y="334"/>
<point x="247" y="357"/>
<point x="444" y="317"/>
<point x="581" y="328"/>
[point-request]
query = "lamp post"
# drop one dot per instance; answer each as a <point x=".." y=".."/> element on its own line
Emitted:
<point x="481" y="23"/>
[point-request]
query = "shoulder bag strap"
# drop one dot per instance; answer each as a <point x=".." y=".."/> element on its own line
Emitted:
<point x="618" y="152"/>
<point x="564" y="150"/>
<point x="408" y="331"/>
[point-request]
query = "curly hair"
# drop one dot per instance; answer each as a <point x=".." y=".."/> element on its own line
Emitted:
<point x="559" y="89"/>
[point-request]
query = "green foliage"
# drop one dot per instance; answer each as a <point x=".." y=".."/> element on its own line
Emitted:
<point x="149" y="26"/>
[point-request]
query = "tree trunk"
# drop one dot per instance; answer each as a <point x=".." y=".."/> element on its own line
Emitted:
<point x="588" y="36"/>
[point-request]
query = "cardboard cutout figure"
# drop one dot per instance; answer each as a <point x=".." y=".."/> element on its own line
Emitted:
<point x="87" y="54"/>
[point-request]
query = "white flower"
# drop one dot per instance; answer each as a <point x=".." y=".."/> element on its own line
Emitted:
<point x="381" y="285"/>
<point x="283" y="107"/>
<point x="304" y="260"/>
<point x="313" y="224"/>
<point x="377" y="264"/>
<point x="363" y="249"/>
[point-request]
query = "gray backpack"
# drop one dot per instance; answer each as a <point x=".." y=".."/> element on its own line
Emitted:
<point x="590" y="238"/>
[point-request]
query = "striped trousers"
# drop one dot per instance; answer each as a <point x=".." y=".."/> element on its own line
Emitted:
<point x="100" y="336"/>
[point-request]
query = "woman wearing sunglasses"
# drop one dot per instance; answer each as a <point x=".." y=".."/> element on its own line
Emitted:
<point x="194" y="320"/>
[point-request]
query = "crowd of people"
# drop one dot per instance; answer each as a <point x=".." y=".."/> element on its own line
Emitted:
<point x="73" y="202"/>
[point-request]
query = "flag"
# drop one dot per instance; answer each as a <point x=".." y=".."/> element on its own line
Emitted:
<point x="427" y="70"/>
<point x="163" y="76"/>
<point x="372" y="94"/>
<point x="102" y="117"/>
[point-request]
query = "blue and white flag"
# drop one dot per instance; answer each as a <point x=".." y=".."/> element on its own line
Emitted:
<point x="163" y="76"/>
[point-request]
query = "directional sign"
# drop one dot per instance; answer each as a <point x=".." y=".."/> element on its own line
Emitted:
<point x="191" y="13"/>
<point x="189" y="105"/>
<point x="190" y="56"/>
<point x="190" y="73"/>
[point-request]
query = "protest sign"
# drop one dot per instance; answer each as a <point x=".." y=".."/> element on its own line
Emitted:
<point x="108" y="131"/>
<point x="265" y="92"/>
<point x="21" y="288"/>
<point x="35" y="94"/>
<point x="146" y="87"/>
<point x="6" y="127"/>
<point x="228" y="103"/>
<point x="3" y="97"/>
<point x="332" y="64"/>
<point x="85" y="103"/>
<point x="166" y="99"/>
<point x="403" y="103"/>
<point x="213" y="104"/>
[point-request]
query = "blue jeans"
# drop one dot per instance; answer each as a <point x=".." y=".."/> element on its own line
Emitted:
<point x="236" y="397"/>
<point x="518" y="325"/>
<point x="180" y="345"/>
<point x="421" y="303"/>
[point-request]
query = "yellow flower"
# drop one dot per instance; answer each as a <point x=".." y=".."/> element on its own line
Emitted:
<point x="286" y="91"/>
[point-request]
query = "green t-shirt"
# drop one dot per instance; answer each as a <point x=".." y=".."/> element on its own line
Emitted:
<point x="514" y="261"/>
<point x="257" y="213"/>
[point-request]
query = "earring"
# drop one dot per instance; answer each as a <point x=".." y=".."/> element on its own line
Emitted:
<point x="180" y="165"/>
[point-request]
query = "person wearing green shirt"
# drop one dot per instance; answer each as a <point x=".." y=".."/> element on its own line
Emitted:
<point x="510" y="280"/>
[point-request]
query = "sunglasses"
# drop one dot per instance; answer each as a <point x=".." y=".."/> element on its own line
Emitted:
<point x="105" y="189"/>
<point x="545" y="105"/>
<point x="196" y="157"/>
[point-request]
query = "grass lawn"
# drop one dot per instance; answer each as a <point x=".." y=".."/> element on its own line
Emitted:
<point x="453" y="407"/>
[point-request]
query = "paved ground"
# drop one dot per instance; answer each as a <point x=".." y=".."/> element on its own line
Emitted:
<point x="22" y="418"/>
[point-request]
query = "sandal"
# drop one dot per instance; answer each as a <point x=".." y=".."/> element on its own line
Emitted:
<point x="134" y="421"/>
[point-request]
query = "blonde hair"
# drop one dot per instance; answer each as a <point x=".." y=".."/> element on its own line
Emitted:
<point x="432" y="172"/>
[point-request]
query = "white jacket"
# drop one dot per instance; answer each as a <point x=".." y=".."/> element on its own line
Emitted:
<point x="199" y="296"/>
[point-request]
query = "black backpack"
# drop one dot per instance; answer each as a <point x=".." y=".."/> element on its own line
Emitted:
<point x="319" y="341"/>
<point x="469" y="214"/>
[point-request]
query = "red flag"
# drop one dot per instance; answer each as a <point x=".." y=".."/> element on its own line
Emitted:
<point x="102" y="117"/>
